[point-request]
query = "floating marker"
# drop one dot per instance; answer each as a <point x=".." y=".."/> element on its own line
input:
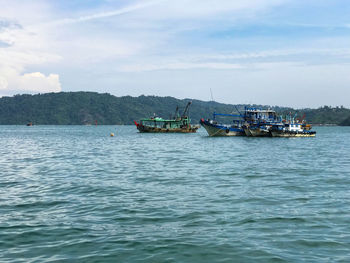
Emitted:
<point x="112" y="134"/>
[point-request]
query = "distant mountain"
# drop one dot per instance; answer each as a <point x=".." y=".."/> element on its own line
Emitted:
<point x="79" y="108"/>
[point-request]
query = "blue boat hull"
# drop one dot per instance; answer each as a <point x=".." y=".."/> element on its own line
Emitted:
<point x="215" y="129"/>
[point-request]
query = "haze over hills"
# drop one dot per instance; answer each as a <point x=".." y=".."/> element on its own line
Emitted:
<point x="79" y="108"/>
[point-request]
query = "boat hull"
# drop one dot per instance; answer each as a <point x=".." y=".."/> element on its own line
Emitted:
<point x="220" y="130"/>
<point x="146" y="129"/>
<point x="256" y="132"/>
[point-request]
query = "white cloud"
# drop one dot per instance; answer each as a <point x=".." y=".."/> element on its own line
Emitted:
<point x="14" y="61"/>
<point x="3" y="83"/>
<point x="11" y="82"/>
<point x="26" y="47"/>
<point x="25" y="12"/>
<point x="38" y="82"/>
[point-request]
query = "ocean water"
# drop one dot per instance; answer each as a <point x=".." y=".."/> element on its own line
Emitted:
<point x="75" y="194"/>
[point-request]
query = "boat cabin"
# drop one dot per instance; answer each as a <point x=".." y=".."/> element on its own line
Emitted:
<point x="259" y="115"/>
<point x="165" y="124"/>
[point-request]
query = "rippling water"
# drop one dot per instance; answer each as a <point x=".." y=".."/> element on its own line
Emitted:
<point x="75" y="194"/>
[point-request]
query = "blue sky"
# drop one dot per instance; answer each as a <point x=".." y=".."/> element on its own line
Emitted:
<point x="276" y="52"/>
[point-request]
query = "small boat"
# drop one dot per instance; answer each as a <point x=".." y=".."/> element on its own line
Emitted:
<point x="178" y="124"/>
<point x="29" y="124"/>
<point x="292" y="129"/>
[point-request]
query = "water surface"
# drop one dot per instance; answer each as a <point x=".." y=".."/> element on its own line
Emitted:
<point x="75" y="194"/>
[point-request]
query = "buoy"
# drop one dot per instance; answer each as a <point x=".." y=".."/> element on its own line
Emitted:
<point x="112" y="134"/>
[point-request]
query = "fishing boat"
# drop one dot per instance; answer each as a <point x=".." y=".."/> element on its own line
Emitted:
<point x="257" y="130"/>
<point x="258" y="122"/>
<point x="292" y="128"/>
<point x="178" y="124"/>
<point x="252" y="122"/>
<point x="215" y="129"/>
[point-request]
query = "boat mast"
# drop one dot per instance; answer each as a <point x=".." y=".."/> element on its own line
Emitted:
<point x="186" y="111"/>
<point x="176" y="112"/>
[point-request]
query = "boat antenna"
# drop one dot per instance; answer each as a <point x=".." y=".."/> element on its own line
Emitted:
<point x="211" y="94"/>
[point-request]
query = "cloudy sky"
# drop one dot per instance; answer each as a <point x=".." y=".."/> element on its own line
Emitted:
<point x="277" y="52"/>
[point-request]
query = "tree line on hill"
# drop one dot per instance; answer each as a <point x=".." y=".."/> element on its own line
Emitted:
<point x="82" y="108"/>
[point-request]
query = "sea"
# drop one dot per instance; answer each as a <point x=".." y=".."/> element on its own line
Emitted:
<point x="78" y="194"/>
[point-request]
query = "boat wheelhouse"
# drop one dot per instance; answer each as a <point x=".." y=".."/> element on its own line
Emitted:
<point x="258" y="122"/>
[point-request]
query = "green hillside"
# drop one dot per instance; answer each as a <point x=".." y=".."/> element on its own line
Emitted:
<point x="78" y="108"/>
<point x="323" y="115"/>
<point x="346" y="122"/>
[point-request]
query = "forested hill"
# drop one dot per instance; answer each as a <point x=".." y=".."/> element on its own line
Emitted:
<point x="77" y="108"/>
<point x="346" y="122"/>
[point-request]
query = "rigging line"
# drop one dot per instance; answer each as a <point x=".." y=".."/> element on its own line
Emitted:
<point x="220" y="129"/>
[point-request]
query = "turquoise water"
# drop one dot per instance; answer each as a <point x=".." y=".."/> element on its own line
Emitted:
<point x="75" y="194"/>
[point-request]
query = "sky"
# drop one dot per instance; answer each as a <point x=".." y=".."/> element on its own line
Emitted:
<point x="272" y="52"/>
